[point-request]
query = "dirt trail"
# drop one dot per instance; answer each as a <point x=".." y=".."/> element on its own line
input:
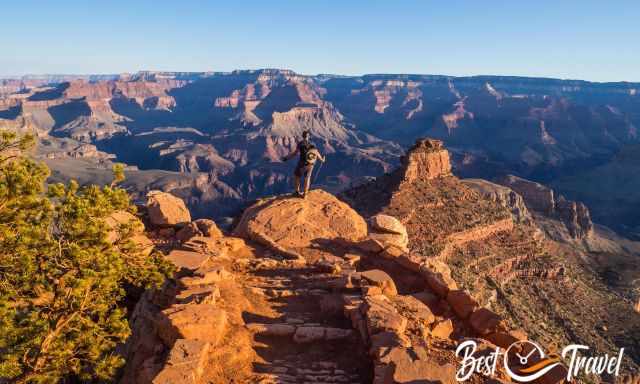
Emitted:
<point x="300" y="334"/>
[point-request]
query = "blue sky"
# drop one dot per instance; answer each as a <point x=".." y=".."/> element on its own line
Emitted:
<point x="591" y="40"/>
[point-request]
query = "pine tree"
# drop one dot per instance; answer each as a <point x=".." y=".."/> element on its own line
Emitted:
<point x="61" y="278"/>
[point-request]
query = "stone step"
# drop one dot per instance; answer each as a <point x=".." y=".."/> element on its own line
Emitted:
<point x="303" y="333"/>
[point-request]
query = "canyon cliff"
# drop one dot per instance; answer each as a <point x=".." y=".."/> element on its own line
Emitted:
<point x="215" y="138"/>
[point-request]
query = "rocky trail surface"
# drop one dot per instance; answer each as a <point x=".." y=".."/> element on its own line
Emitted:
<point x="297" y="338"/>
<point x="311" y="307"/>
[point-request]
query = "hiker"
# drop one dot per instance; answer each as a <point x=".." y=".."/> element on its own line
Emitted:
<point x="309" y="154"/>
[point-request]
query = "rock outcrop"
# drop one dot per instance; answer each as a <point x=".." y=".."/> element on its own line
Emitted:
<point x="290" y="224"/>
<point x="504" y="196"/>
<point x="427" y="159"/>
<point x="164" y="209"/>
<point x="539" y="198"/>
<point x="387" y="230"/>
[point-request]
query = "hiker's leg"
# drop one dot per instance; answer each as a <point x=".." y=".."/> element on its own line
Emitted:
<point x="297" y="175"/>
<point x="296" y="182"/>
<point x="307" y="178"/>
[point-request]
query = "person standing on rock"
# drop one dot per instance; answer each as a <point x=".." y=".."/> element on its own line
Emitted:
<point x="309" y="154"/>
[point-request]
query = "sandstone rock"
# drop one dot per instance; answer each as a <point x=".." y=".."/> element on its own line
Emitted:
<point x="351" y="259"/>
<point x="436" y="282"/>
<point x="381" y="316"/>
<point x="414" y="309"/>
<point x="387" y="339"/>
<point x="390" y="239"/>
<point x="574" y="215"/>
<point x="504" y="196"/>
<point x="462" y="303"/>
<point x="176" y="375"/>
<point x="388" y="224"/>
<point x="202" y="322"/>
<point x="187" y="232"/>
<point x="370" y="245"/>
<point x="329" y="264"/>
<point x="185" y="363"/>
<point x="427" y="298"/>
<point x="206" y="276"/>
<point x="369" y="290"/>
<point x="414" y="365"/>
<point x="485" y="321"/>
<point x="187" y="260"/>
<point x="442" y="329"/>
<point x="296" y="223"/>
<point x="427" y="159"/>
<point x="380" y="279"/>
<point x="221" y="247"/>
<point x="272" y="329"/>
<point x="501" y="339"/>
<point x="393" y="252"/>
<point x="308" y="334"/>
<point x="536" y="196"/>
<point x="164" y="209"/>
<point x="341" y="283"/>
<point x="199" y="295"/>
<point x="426" y="371"/>
<point x="410" y="261"/>
<point x="208" y="228"/>
<point x="233" y="244"/>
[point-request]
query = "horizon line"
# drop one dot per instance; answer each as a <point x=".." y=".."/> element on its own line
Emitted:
<point x="214" y="72"/>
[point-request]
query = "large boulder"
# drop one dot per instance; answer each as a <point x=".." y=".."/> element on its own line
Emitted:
<point x="208" y="228"/>
<point x="380" y="279"/>
<point x="462" y="303"/>
<point x="387" y="231"/>
<point x="202" y="322"/>
<point x="290" y="223"/>
<point x="382" y="316"/>
<point x="185" y="363"/>
<point x="386" y="223"/>
<point x="187" y="260"/>
<point x="164" y="209"/>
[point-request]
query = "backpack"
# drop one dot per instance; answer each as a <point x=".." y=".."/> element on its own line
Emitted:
<point x="308" y="153"/>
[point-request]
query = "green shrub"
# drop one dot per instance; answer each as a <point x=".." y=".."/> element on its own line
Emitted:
<point x="61" y="279"/>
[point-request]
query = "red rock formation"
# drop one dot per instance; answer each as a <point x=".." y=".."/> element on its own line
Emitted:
<point x="426" y="160"/>
<point x="537" y="197"/>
